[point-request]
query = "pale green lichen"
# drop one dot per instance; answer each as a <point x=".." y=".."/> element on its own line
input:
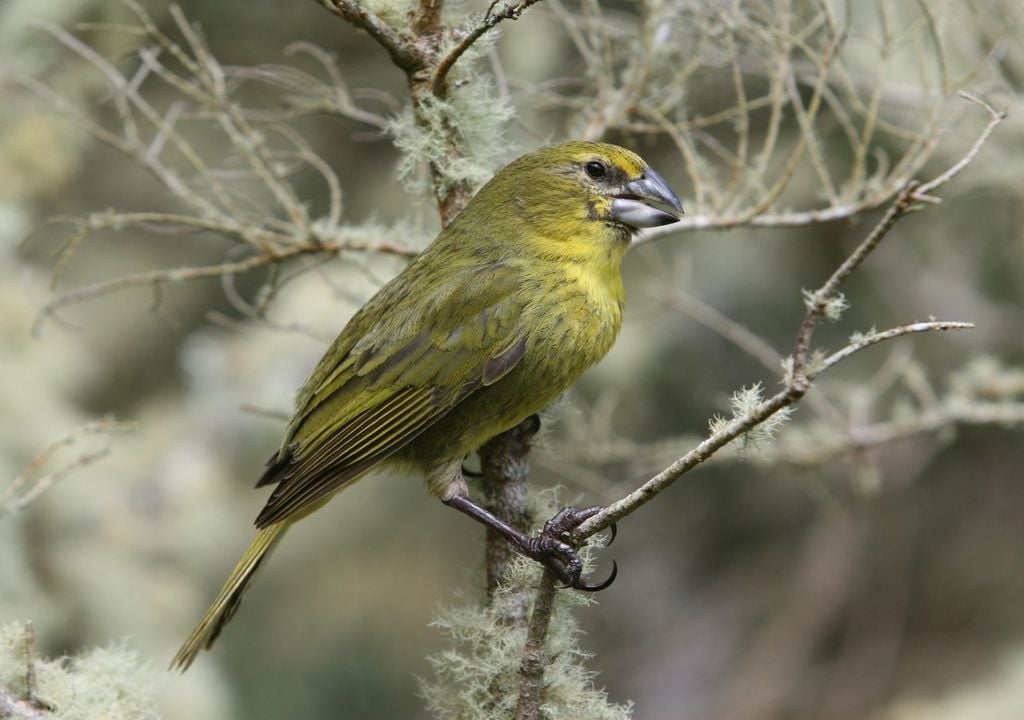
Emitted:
<point x="743" y="403"/>
<point x="108" y="682"/>
<point x="832" y="307"/>
<point x="394" y="13"/>
<point x="471" y="117"/>
<point x="478" y="677"/>
<point x="863" y="338"/>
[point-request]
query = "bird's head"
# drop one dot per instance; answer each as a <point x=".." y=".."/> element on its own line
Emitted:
<point x="616" y="183"/>
<point x="576" y="197"/>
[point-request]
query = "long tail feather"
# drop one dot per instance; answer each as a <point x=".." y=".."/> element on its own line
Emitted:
<point x="224" y="607"/>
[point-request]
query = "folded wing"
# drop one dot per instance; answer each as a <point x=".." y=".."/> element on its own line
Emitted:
<point x="383" y="383"/>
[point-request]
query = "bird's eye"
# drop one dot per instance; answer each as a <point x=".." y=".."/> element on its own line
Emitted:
<point x="596" y="169"/>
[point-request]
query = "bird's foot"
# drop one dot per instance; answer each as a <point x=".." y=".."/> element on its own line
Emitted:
<point x="551" y="549"/>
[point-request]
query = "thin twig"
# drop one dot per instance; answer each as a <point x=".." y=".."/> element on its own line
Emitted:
<point x="329" y="244"/>
<point x="819" y="300"/>
<point x="927" y="422"/>
<point x="874" y="338"/>
<point x="765" y="220"/>
<point x="512" y="11"/>
<point x="24" y="489"/>
<point x="995" y="118"/>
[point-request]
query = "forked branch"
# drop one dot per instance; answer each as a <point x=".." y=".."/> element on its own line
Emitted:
<point x="32" y="482"/>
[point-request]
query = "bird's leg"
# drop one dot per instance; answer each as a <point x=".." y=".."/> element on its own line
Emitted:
<point x="549" y="547"/>
<point x="530" y="426"/>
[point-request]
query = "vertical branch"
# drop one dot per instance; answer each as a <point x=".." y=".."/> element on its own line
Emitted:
<point x="863" y="144"/>
<point x="505" y="470"/>
<point x="427" y="20"/>
<point x="31" y="706"/>
<point x="534" y="658"/>
<point x="742" y="122"/>
<point x="783" y="44"/>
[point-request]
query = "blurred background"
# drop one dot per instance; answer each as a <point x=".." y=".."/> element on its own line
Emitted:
<point x="866" y="564"/>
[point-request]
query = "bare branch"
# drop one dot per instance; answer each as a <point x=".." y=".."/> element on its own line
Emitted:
<point x="513" y="10"/>
<point x="765" y="220"/>
<point x="819" y="300"/>
<point x="29" y="485"/>
<point x="995" y="118"/>
<point x="982" y="394"/>
<point x="402" y="52"/>
<point x="343" y="239"/>
<point x="864" y="341"/>
<point x="927" y="422"/>
<point x="307" y="93"/>
<point x="271" y="152"/>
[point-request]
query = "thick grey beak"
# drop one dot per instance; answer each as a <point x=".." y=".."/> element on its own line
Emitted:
<point x="633" y="206"/>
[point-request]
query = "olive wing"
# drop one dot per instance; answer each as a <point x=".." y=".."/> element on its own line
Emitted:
<point x="393" y="380"/>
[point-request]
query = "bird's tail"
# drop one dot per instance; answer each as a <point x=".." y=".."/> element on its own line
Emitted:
<point x="229" y="597"/>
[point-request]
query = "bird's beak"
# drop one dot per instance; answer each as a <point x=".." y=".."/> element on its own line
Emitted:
<point x="633" y="206"/>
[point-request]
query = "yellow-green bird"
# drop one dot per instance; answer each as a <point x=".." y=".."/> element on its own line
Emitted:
<point x="498" y="316"/>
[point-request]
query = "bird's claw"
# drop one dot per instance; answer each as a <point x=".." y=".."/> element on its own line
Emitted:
<point x="551" y="549"/>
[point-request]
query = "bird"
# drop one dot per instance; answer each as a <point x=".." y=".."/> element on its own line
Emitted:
<point x="516" y="297"/>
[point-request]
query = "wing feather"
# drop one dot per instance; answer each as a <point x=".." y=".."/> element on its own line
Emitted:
<point x="338" y="446"/>
<point x="311" y="478"/>
<point x="384" y="383"/>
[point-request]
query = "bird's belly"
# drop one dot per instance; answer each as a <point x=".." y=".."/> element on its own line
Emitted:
<point x="566" y="343"/>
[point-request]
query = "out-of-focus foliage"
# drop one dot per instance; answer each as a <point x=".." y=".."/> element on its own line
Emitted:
<point x="485" y="661"/>
<point x="827" y="575"/>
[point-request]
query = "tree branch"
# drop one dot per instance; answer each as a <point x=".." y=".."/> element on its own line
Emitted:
<point x="29" y="485"/>
<point x="159" y="278"/>
<point x="511" y="11"/>
<point x="505" y="468"/>
<point x="885" y="432"/>
<point x="860" y="342"/>
<point x="403" y="53"/>
<point x="534" y="657"/>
